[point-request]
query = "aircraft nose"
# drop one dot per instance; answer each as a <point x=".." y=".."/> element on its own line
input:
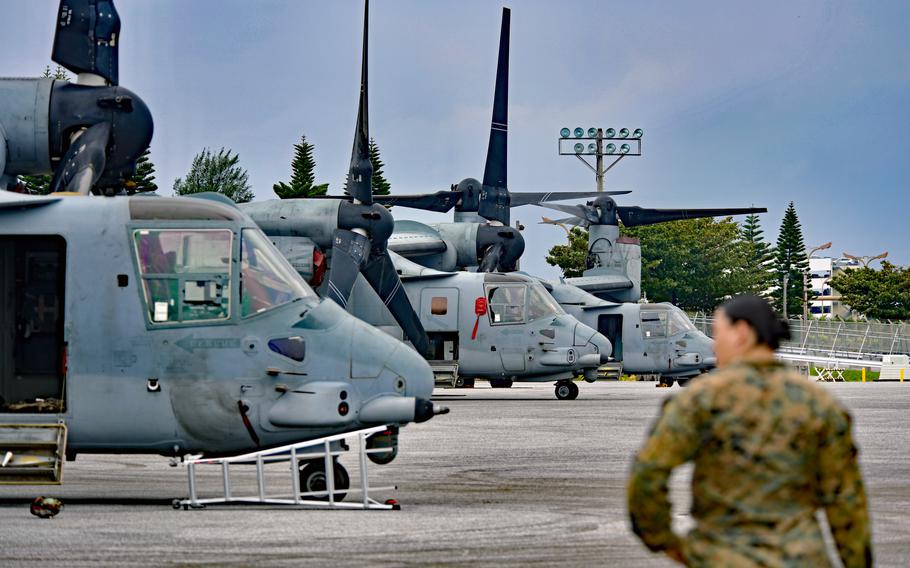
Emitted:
<point x="375" y="354"/>
<point x="586" y="336"/>
<point x="603" y="345"/>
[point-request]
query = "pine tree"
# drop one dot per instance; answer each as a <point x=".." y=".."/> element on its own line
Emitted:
<point x="144" y="179"/>
<point x="379" y="184"/>
<point x="571" y="258"/>
<point x="41" y="184"/>
<point x="790" y="260"/>
<point x="760" y="257"/>
<point x="302" y="175"/>
<point x="216" y="172"/>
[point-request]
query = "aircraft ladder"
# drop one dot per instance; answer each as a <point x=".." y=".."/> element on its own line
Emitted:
<point x="293" y="454"/>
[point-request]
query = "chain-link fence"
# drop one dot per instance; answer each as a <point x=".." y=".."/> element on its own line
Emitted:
<point x="853" y="340"/>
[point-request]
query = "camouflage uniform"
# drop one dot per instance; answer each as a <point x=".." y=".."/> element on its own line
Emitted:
<point x="770" y="448"/>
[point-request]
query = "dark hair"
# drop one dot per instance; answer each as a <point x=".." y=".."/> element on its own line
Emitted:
<point x="758" y="313"/>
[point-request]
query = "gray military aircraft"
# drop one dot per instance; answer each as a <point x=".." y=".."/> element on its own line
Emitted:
<point x="663" y="340"/>
<point x="517" y="332"/>
<point x="480" y="238"/>
<point x="143" y="324"/>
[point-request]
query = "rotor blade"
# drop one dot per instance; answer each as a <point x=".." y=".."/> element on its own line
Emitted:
<point x="577" y="210"/>
<point x="490" y="260"/>
<point x="84" y="161"/>
<point x="349" y="251"/>
<point x="441" y="201"/>
<point x="538" y="197"/>
<point x="495" y="170"/>
<point x="382" y="276"/>
<point x="87" y="38"/>
<point x="574" y="221"/>
<point x="361" y="171"/>
<point x="637" y="216"/>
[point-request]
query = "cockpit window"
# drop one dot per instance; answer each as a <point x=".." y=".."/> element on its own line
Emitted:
<point x="267" y="279"/>
<point x="541" y="304"/>
<point x="506" y="303"/>
<point x="185" y="274"/>
<point x="653" y="323"/>
<point x="680" y="323"/>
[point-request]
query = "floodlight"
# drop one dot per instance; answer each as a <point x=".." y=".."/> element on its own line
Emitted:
<point x="624" y="149"/>
<point x="592" y="147"/>
<point x="637" y="133"/>
<point x="623" y="132"/>
<point x="592" y="132"/>
<point x="610" y="148"/>
<point x="579" y="132"/>
<point x="579" y="147"/>
<point x="565" y="132"/>
<point x="610" y="133"/>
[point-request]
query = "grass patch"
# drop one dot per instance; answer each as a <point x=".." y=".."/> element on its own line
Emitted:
<point x="852" y="375"/>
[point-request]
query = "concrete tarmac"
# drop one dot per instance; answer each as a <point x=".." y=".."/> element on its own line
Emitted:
<point x="509" y="477"/>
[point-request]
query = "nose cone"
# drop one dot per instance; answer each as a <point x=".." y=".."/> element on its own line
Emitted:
<point x="375" y="354"/>
<point x="603" y="345"/>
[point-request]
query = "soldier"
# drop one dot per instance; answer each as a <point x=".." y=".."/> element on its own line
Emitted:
<point x="770" y="449"/>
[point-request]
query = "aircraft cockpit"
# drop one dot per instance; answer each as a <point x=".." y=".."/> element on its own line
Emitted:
<point x="186" y="275"/>
<point x="663" y="320"/>
<point x="517" y="301"/>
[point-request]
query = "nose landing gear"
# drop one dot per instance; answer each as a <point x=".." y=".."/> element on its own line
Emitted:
<point x="313" y="479"/>
<point x="566" y="390"/>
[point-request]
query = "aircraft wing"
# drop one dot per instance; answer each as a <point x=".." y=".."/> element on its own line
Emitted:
<point x="411" y="238"/>
<point x="601" y="283"/>
<point x="12" y="200"/>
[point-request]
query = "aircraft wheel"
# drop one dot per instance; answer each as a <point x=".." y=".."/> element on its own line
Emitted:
<point x="501" y="383"/>
<point x="682" y="382"/>
<point x="566" y="390"/>
<point x="664" y="382"/>
<point x="312" y="478"/>
<point x="464" y="382"/>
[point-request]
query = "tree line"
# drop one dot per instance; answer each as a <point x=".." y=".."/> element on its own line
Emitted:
<point x="698" y="263"/>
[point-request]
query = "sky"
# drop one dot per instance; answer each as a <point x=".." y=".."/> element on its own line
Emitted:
<point x="741" y="103"/>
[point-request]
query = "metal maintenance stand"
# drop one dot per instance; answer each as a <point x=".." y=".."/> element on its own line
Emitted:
<point x="293" y="453"/>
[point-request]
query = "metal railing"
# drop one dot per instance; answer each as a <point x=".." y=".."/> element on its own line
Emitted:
<point x="837" y="339"/>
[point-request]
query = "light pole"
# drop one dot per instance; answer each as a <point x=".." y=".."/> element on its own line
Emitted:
<point x="865" y="260"/>
<point x="805" y="287"/>
<point x="619" y="145"/>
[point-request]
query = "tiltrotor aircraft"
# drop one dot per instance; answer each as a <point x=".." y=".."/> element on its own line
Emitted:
<point x="648" y="338"/>
<point x="142" y="324"/>
<point x="502" y="328"/>
<point x="480" y="239"/>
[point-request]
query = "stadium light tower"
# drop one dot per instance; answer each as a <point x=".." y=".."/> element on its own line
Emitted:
<point x="618" y="144"/>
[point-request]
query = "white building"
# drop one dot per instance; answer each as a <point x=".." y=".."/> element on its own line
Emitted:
<point x="824" y="301"/>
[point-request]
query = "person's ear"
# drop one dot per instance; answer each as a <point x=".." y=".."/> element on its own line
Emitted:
<point x="745" y="335"/>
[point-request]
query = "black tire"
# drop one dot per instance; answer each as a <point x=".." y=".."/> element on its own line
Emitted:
<point x="312" y="478"/>
<point x="464" y="383"/>
<point x="566" y="390"/>
<point x="501" y="383"/>
<point x="682" y="382"/>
